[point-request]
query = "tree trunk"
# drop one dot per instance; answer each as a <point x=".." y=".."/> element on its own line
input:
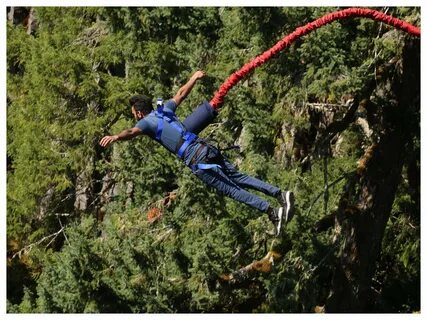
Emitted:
<point x="24" y="16"/>
<point x="367" y="200"/>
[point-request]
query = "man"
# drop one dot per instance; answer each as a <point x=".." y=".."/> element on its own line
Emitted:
<point x="205" y="161"/>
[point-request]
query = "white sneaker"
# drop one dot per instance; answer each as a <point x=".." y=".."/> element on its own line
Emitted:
<point x="289" y="205"/>
<point x="276" y="216"/>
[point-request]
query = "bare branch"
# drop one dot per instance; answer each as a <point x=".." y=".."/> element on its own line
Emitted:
<point x="323" y="106"/>
<point x="28" y="248"/>
<point x="62" y="228"/>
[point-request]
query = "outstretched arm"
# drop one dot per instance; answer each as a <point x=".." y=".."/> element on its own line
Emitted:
<point x="126" y="134"/>
<point x="186" y="88"/>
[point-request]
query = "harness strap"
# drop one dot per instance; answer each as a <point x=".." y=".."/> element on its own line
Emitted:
<point x="171" y="118"/>
<point x="159" y="128"/>
<point x="188" y="138"/>
<point x="204" y="166"/>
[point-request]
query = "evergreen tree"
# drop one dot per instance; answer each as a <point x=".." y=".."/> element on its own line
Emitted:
<point x="79" y="237"/>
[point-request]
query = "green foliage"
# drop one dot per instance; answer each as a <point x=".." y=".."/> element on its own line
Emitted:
<point x="68" y="86"/>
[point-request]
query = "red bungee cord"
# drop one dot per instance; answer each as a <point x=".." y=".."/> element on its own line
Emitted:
<point x="232" y="80"/>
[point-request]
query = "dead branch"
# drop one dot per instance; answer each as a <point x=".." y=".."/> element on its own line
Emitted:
<point x="264" y="265"/>
<point x="28" y="248"/>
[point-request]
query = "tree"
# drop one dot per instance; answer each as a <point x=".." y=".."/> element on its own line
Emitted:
<point x="368" y="197"/>
<point x="129" y="229"/>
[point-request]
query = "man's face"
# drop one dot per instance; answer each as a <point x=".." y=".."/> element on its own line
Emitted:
<point x="138" y="115"/>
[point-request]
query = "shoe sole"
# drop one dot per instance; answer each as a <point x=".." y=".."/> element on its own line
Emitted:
<point x="279" y="224"/>
<point x="290" y="199"/>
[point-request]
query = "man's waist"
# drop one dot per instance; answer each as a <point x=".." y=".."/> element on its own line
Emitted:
<point x="194" y="151"/>
<point x="184" y="143"/>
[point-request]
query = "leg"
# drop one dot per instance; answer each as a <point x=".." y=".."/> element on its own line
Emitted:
<point x="277" y="216"/>
<point x="216" y="178"/>
<point x="245" y="181"/>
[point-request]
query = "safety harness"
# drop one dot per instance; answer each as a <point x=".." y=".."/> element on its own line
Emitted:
<point x="187" y="136"/>
<point x="170" y="117"/>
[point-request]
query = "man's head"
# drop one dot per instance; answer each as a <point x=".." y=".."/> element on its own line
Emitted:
<point x="141" y="106"/>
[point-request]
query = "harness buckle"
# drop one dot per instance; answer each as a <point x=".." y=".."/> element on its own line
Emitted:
<point x="159" y="102"/>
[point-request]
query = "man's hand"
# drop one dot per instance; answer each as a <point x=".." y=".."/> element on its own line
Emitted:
<point x="126" y="134"/>
<point x="108" y="140"/>
<point x="198" y="75"/>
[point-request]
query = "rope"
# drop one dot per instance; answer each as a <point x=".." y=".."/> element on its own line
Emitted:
<point x="232" y="80"/>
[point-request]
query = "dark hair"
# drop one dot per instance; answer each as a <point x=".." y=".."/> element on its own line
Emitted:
<point x="141" y="103"/>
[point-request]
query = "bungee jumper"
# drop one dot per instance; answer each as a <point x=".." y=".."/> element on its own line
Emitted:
<point x="204" y="160"/>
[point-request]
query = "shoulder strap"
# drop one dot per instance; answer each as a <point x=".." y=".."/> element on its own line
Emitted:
<point x="171" y="118"/>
